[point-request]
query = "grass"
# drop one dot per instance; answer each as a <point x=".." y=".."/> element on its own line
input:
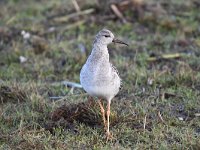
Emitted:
<point x="158" y="107"/>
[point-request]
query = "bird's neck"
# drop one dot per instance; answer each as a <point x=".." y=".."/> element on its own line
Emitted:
<point x="100" y="51"/>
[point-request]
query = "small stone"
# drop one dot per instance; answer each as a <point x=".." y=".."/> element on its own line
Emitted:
<point x="150" y="81"/>
<point x="180" y="118"/>
<point x="197" y="115"/>
<point x="26" y="35"/>
<point x="22" y="59"/>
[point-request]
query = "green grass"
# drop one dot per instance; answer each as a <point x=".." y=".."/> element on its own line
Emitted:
<point x="26" y="109"/>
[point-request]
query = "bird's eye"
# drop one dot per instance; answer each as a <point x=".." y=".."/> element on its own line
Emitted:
<point x="107" y="35"/>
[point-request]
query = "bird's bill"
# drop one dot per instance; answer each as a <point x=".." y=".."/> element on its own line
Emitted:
<point x="119" y="41"/>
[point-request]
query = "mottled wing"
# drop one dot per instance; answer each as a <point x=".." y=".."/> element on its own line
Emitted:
<point x="114" y="69"/>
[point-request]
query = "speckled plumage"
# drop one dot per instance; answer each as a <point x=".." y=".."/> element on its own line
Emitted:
<point x="98" y="76"/>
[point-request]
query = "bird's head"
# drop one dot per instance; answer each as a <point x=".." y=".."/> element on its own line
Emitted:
<point x="106" y="37"/>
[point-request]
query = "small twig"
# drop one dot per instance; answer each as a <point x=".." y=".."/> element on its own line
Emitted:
<point x="160" y="117"/>
<point x="125" y="3"/>
<point x="65" y="18"/>
<point x="118" y="13"/>
<point x="145" y="121"/>
<point x="165" y="56"/>
<point x="76" y="6"/>
<point x="56" y="97"/>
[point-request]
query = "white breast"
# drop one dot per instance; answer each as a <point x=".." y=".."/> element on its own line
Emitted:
<point x="100" y="85"/>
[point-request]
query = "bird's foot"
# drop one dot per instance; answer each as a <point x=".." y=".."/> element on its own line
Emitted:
<point x="109" y="136"/>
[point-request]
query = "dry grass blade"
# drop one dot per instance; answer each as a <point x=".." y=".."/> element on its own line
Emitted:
<point x="118" y="13"/>
<point x="67" y="17"/>
<point x="165" y="56"/>
<point x="76" y="6"/>
<point x="145" y="121"/>
<point x="160" y="117"/>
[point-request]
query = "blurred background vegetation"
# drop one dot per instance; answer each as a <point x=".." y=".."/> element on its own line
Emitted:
<point x="44" y="42"/>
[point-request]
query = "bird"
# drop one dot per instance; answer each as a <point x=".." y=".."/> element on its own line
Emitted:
<point x="98" y="77"/>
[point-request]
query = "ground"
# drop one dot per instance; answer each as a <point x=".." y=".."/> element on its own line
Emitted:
<point x="43" y="43"/>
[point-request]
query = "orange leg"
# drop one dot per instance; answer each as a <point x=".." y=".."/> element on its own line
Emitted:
<point x="109" y="136"/>
<point x="102" y="112"/>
